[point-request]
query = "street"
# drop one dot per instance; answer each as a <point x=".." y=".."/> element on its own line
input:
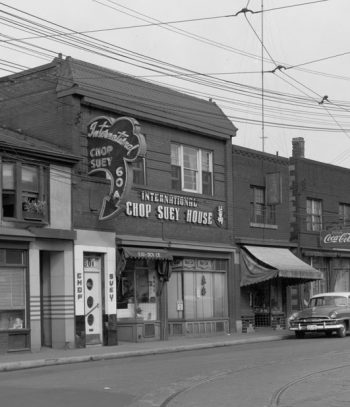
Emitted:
<point x="289" y="372"/>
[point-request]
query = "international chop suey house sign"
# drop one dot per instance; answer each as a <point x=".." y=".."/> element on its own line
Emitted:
<point x="175" y="208"/>
<point x="337" y="239"/>
<point x="113" y="144"/>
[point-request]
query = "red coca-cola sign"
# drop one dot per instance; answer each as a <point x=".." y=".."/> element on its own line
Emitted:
<point x="339" y="238"/>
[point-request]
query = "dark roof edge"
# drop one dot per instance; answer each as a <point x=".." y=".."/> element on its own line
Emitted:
<point x="30" y="71"/>
<point x="58" y="157"/>
<point x="246" y="150"/>
<point x="94" y="102"/>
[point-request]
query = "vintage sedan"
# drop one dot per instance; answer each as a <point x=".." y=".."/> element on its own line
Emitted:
<point x="327" y="312"/>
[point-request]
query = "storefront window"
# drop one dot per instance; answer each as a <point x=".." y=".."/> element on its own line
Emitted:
<point x="341" y="272"/>
<point x="12" y="289"/>
<point x="319" y="286"/>
<point x="137" y="291"/>
<point x="197" y="289"/>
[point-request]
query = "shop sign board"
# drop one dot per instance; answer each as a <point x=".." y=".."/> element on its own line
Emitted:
<point x="337" y="238"/>
<point x="113" y="144"/>
<point x="174" y="208"/>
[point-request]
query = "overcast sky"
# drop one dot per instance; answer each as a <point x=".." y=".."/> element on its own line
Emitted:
<point x="210" y="50"/>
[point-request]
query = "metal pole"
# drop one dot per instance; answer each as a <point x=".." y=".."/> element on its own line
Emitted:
<point x="262" y="78"/>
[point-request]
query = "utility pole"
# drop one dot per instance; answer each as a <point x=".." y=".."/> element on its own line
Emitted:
<point x="262" y="79"/>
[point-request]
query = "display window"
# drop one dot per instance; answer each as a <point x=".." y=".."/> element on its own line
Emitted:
<point x="319" y="286"/>
<point x="340" y="273"/>
<point x="197" y="289"/>
<point x="138" y="291"/>
<point x="13" y="277"/>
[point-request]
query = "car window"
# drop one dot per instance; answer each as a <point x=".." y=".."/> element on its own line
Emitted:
<point x="340" y="301"/>
<point x="328" y="301"/>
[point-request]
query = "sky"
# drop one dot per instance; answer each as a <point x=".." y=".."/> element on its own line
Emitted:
<point x="277" y="74"/>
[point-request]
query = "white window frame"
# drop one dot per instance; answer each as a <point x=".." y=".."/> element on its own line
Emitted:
<point x="198" y="170"/>
<point x="314" y="211"/>
<point x="344" y="214"/>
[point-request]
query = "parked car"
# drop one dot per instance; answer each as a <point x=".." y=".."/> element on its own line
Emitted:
<point x="327" y="312"/>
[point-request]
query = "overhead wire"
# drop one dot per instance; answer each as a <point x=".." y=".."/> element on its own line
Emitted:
<point x="279" y="68"/>
<point x="202" y="82"/>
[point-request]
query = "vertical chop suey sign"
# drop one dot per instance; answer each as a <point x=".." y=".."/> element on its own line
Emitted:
<point x="338" y="239"/>
<point x="113" y="144"/>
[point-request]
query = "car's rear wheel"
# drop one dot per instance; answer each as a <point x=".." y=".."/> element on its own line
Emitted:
<point x="299" y="334"/>
<point x="342" y="331"/>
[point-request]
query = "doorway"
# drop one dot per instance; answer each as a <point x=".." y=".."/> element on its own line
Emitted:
<point x="45" y="299"/>
<point x="93" y="298"/>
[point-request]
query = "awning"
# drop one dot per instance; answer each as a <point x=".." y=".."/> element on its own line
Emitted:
<point x="265" y="263"/>
<point x="145" y="253"/>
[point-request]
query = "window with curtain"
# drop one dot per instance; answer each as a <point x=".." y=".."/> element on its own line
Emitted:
<point x="191" y="169"/>
<point x="139" y="171"/>
<point x="199" y="287"/>
<point x="13" y="276"/>
<point x="24" y="191"/>
<point x="260" y="213"/>
<point x="344" y="214"/>
<point x="313" y="215"/>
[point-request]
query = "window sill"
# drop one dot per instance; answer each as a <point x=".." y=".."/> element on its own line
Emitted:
<point x="263" y="226"/>
<point x="37" y="222"/>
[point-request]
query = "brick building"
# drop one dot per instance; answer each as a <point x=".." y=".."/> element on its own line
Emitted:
<point x="320" y="209"/>
<point x="151" y="200"/>
<point x="36" y="243"/>
<point x="268" y="264"/>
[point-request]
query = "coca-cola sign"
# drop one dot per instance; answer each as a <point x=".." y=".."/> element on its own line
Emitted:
<point x="339" y="238"/>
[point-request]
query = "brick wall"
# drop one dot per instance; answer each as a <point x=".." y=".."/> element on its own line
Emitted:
<point x="250" y="168"/>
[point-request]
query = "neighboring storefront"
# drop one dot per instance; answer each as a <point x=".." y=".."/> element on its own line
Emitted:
<point x="36" y="244"/>
<point x="333" y="259"/>
<point x="266" y="275"/>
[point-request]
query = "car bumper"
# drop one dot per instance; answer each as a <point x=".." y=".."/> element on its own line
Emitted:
<point x="319" y="326"/>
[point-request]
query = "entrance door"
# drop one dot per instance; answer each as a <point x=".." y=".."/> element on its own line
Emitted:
<point x="93" y="303"/>
<point x="45" y="299"/>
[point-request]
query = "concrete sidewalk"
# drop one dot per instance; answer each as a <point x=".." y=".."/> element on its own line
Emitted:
<point x="49" y="357"/>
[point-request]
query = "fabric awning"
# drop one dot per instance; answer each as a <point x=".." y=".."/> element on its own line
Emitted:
<point x="264" y="263"/>
<point x="146" y="253"/>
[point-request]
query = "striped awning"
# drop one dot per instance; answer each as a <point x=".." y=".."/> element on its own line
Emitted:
<point x="261" y="263"/>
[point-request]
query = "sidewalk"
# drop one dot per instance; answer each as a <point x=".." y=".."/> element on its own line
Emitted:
<point x="49" y="357"/>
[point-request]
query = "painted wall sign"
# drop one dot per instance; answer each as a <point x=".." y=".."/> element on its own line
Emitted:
<point x="337" y="239"/>
<point x="113" y="144"/>
<point x="177" y="209"/>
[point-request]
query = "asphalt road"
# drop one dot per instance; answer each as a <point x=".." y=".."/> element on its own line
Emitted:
<point x="303" y="373"/>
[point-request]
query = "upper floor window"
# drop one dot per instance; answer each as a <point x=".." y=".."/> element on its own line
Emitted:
<point x="313" y="215"/>
<point x="191" y="169"/>
<point x="139" y="171"/>
<point x="344" y="214"/>
<point x="260" y="212"/>
<point x="24" y="191"/>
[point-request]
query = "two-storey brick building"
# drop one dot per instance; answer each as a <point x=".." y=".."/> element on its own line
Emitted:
<point x="152" y="199"/>
<point x="268" y="261"/>
<point x="36" y="243"/>
<point x="320" y="221"/>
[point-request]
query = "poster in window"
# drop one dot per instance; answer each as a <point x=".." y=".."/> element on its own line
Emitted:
<point x="273" y="188"/>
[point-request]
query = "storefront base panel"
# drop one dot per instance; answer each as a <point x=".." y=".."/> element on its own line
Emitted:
<point x="198" y="328"/>
<point x="138" y="332"/>
<point x="14" y="341"/>
<point x="274" y="321"/>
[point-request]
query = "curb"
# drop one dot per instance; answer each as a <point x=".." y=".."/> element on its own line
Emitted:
<point x="30" y="364"/>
